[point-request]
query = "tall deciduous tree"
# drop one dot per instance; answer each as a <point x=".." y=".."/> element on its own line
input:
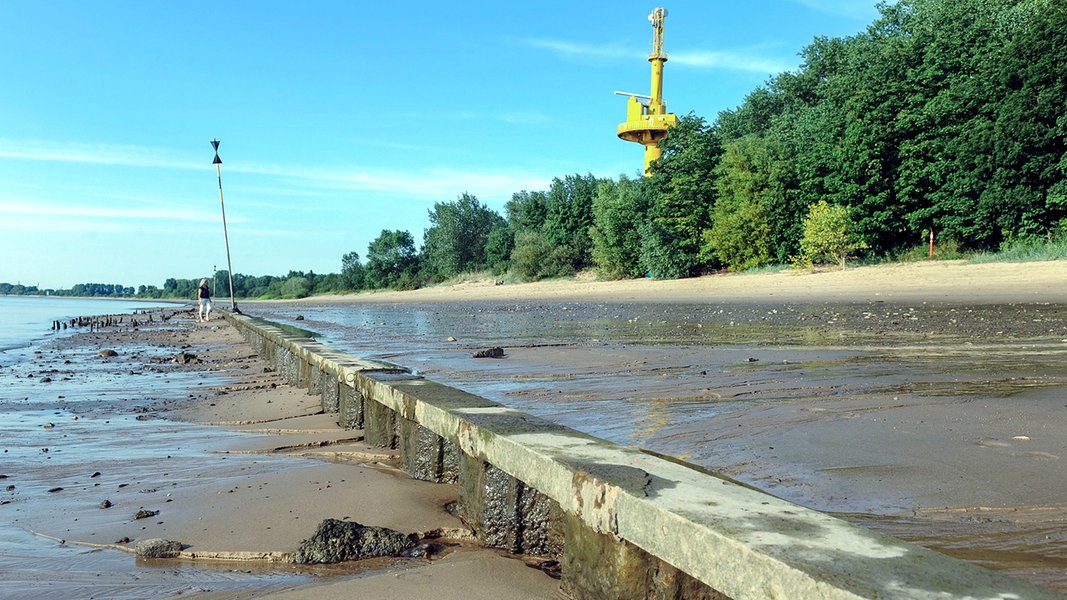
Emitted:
<point x="457" y="237"/>
<point x="618" y="210"/>
<point x="391" y="260"/>
<point x="352" y="272"/>
<point x="682" y="191"/>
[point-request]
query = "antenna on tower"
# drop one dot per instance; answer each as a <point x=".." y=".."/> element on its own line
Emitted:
<point x="647" y="119"/>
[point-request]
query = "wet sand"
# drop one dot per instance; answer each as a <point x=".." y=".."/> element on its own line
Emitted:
<point x="927" y="400"/>
<point x="219" y="454"/>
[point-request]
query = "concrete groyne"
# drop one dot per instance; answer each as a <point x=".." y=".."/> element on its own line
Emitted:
<point x="622" y="523"/>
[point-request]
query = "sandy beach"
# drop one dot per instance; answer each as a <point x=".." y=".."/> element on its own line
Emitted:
<point x="935" y="281"/>
<point x="277" y="467"/>
<point x="240" y="494"/>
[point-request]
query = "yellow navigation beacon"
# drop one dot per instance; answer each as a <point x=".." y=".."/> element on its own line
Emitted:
<point x="647" y="118"/>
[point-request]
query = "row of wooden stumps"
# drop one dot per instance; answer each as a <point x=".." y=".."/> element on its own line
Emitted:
<point x="102" y="321"/>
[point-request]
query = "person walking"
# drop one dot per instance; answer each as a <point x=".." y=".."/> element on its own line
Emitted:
<point x="203" y="298"/>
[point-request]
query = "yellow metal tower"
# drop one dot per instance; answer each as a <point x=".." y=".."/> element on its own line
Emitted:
<point x="647" y="118"/>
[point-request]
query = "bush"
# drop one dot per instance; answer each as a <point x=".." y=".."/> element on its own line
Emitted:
<point x="536" y="257"/>
<point x="828" y="236"/>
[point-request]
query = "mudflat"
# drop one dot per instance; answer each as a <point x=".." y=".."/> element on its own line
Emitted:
<point x="927" y="400"/>
<point x="932" y="407"/>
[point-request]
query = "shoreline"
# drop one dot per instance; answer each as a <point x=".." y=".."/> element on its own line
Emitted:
<point x="242" y="468"/>
<point x="927" y="281"/>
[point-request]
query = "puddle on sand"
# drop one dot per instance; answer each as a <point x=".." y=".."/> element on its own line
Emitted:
<point x="32" y="566"/>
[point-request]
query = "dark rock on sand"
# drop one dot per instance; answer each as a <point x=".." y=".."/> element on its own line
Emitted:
<point x="145" y="514"/>
<point x="423" y="550"/>
<point x="336" y="541"/>
<point x="184" y="358"/>
<point x="158" y="548"/>
<point x="489" y="353"/>
<point x="106" y="504"/>
<point x="107" y="353"/>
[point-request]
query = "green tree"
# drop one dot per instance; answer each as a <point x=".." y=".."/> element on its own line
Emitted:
<point x="391" y="260"/>
<point x="295" y="287"/>
<point x="536" y="257"/>
<point x="681" y="191"/>
<point x="498" y="248"/>
<point x="1029" y="189"/>
<point x="569" y="215"/>
<point x="829" y="235"/>
<point x="754" y="218"/>
<point x="352" y="272"/>
<point x="457" y="237"/>
<point x="618" y="210"/>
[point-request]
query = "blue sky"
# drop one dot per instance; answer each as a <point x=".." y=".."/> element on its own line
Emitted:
<point x="337" y="119"/>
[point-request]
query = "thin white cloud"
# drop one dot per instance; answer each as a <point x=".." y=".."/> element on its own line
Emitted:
<point x="431" y="182"/>
<point x="853" y="9"/>
<point x="732" y="60"/>
<point x="583" y="51"/>
<point x="97" y="154"/>
<point x="436" y="183"/>
<point x="524" y="118"/>
<point x="752" y="59"/>
<point x="36" y="208"/>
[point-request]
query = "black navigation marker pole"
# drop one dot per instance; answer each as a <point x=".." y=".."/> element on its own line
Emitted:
<point x="226" y="236"/>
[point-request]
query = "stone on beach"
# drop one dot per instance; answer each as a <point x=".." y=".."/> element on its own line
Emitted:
<point x="337" y="541"/>
<point x="158" y="548"/>
<point x="489" y="353"/>
<point x="184" y="358"/>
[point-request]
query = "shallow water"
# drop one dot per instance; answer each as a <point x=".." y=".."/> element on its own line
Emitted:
<point x="25" y="320"/>
<point x="73" y="426"/>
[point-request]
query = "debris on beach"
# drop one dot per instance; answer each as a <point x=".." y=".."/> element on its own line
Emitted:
<point x="158" y="548"/>
<point x="489" y="353"/>
<point x="145" y="514"/>
<point x="107" y="353"/>
<point x="337" y="541"/>
<point x="424" y="550"/>
<point x="184" y="358"/>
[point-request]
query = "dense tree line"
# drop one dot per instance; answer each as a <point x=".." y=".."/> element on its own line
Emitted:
<point x="93" y="290"/>
<point x="944" y="116"/>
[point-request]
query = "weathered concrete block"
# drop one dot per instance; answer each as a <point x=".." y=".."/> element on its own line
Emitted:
<point x="288" y="366"/>
<point x="426" y="455"/>
<point x="314" y="379"/>
<point x="349" y="407"/>
<point x="380" y="427"/>
<point x="505" y="512"/>
<point x="330" y="390"/>
<point x="599" y="566"/>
